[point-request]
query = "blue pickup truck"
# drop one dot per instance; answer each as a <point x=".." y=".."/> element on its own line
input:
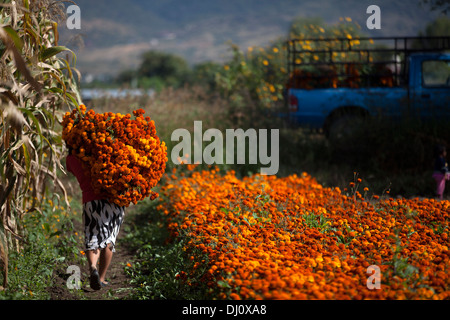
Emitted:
<point x="335" y="82"/>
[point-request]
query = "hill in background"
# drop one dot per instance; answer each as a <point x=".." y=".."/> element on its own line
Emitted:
<point x="115" y="33"/>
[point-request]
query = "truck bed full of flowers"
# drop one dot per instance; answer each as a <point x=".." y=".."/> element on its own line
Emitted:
<point x="124" y="156"/>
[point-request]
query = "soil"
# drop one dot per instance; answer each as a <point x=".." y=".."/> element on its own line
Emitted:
<point x="119" y="283"/>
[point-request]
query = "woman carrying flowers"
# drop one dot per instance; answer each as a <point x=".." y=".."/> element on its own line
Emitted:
<point x="117" y="160"/>
<point x="101" y="220"/>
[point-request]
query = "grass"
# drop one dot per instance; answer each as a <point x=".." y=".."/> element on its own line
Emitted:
<point x="49" y="244"/>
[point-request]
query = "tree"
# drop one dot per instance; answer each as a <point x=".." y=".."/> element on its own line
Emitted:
<point x="204" y="73"/>
<point x="171" y="69"/>
<point x="437" y="28"/>
<point x="443" y="5"/>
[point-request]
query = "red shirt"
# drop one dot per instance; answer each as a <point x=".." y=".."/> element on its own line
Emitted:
<point x="74" y="166"/>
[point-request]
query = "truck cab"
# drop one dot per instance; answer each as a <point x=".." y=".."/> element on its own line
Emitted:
<point x="430" y="85"/>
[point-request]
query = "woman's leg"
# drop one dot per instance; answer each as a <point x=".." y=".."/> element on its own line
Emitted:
<point x="111" y="228"/>
<point x="102" y="224"/>
<point x="92" y="257"/>
<point x="92" y="252"/>
<point x="440" y="188"/>
<point x="94" y="278"/>
<point x="105" y="260"/>
<point x="440" y="184"/>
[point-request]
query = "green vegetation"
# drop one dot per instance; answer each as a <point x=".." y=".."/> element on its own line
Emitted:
<point x="50" y="244"/>
<point x="36" y="85"/>
<point x="157" y="70"/>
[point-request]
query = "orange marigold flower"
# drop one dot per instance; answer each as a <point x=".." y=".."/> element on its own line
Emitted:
<point x="122" y="164"/>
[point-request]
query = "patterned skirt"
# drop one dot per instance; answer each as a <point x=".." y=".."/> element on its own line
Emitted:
<point x="102" y="221"/>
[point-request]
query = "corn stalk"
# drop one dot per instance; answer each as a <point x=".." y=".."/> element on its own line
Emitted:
<point x="37" y="85"/>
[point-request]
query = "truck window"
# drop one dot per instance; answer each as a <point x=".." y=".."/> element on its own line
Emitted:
<point x="436" y="73"/>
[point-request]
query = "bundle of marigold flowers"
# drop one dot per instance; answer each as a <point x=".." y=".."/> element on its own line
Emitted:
<point x="123" y="156"/>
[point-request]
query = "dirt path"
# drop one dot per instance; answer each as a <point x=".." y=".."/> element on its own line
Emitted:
<point x="119" y="284"/>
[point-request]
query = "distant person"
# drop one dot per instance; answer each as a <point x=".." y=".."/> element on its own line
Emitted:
<point x="441" y="170"/>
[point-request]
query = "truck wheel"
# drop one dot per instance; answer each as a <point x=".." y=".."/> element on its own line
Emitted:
<point x="344" y="126"/>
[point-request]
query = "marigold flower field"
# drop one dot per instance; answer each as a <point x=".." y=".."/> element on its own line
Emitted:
<point x="291" y="238"/>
